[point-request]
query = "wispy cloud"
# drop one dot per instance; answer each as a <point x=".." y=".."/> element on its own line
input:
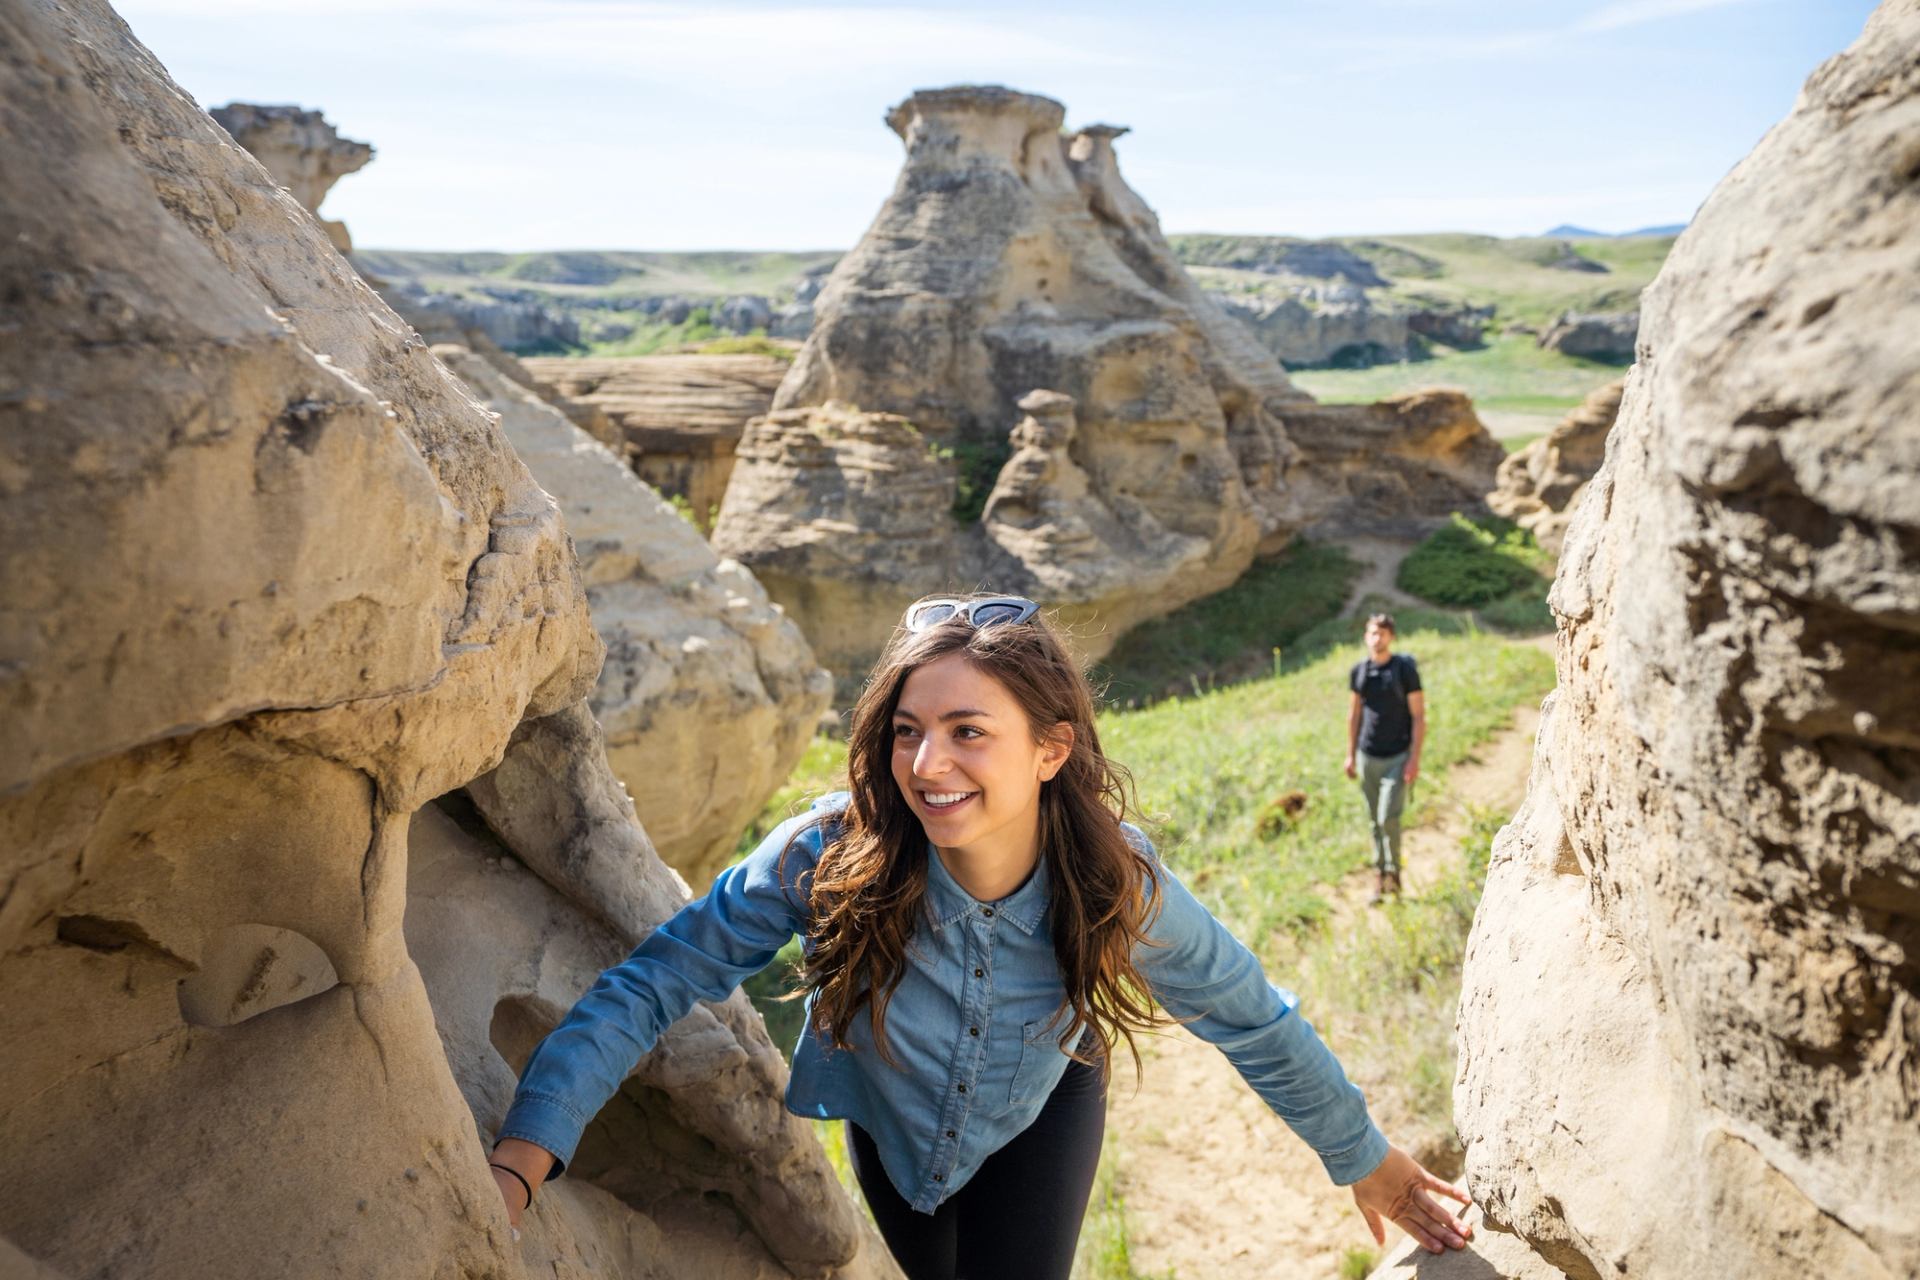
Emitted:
<point x="1632" y="13"/>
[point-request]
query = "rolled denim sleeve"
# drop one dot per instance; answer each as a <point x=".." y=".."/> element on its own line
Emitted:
<point x="709" y="947"/>
<point x="1204" y="976"/>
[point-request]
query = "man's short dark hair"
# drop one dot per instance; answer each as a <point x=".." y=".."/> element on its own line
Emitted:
<point x="1384" y="621"/>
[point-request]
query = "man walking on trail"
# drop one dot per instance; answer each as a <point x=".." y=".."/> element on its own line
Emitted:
<point x="1386" y="725"/>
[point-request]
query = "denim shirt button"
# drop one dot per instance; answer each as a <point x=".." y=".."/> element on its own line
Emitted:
<point x="979" y="973"/>
<point x="986" y="911"/>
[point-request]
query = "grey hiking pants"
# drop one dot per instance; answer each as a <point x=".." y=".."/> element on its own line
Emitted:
<point x="1386" y="796"/>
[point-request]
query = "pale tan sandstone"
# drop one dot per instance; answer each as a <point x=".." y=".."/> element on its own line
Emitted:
<point x="1540" y="486"/>
<point x="304" y="153"/>
<point x="1011" y="259"/>
<point x="679" y="418"/>
<point x="709" y="693"/>
<point x="272" y="584"/>
<point x="1389" y="468"/>
<point x="829" y="507"/>
<point x="1690" y="1029"/>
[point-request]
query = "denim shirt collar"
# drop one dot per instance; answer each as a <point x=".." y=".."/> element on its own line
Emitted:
<point x="947" y="902"/>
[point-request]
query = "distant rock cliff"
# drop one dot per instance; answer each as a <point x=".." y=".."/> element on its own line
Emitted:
<point x="1690" y="1025"/>
<point x="1012" y="261"/>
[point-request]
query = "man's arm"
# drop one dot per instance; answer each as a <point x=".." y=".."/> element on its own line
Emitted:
<point x="1353" y="730"/>
<point x="1417" y="708"/>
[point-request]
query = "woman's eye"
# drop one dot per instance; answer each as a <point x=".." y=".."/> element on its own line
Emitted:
<point x="903" y="731"/>
<point x="966" y="731"/>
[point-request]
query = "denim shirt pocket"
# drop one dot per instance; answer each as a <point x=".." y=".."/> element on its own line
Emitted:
<point x="1027" y="1075"/>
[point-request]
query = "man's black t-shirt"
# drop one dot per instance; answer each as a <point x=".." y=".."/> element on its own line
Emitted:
<point x="1386" y="725"/>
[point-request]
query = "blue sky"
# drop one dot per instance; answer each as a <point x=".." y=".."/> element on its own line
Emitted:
<point x="541" y="124"/>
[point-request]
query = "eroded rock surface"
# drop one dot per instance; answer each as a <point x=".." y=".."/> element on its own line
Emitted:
<point x="1540" y="486"/>
<point x="1595" y="335"/>
<point x="273" y="583"/>
<point x="679" y="418"/>
<point x="1012" y="259"/>
<point x="709" y="693"/>
<point x="304" y="153"/>
<point x="1690" y="1029"/>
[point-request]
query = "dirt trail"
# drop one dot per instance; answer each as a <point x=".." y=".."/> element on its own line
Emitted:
<point x="1382" y="556"/>
<point x="1215" y="1186"/>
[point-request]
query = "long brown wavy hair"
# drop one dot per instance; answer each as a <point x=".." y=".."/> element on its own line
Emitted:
<point x="866" y="896"/>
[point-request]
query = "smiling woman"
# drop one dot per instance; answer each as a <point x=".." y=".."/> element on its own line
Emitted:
<point x="982" y="928"/>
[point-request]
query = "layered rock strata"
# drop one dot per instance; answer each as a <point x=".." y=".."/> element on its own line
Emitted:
<point x="1540" y="486"/>
<point x="709" y="693"/>
<point x="277" y="591"/>
<point x="1690" y="1025"/>
<point x="1388" y="469"/>
<point x="1013" y="259"/>
<point x="678" y="418"/>
<point x="304" y="153"/>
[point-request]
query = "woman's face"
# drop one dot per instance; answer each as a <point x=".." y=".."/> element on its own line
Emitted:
<point x="965" y="758"/>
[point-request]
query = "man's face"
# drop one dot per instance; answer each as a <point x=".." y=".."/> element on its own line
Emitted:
<point x="1379" y="640"/>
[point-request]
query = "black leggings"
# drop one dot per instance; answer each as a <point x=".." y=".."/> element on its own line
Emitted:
<point x="1019" y="1217"/>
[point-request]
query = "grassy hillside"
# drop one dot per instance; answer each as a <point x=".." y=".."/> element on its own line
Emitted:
<point x="1514" y="275"/>
<point x="582" y="274"/>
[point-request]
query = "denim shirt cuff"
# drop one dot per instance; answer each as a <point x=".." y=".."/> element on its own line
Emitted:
<point x="546" y="1122"/>
<point x="1356" y="1162"/>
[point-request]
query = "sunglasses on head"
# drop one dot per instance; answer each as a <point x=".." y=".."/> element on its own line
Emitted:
<point x="988" y="611"/>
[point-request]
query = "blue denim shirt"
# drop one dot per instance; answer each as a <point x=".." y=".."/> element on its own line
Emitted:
<point x="968" y="1026"/>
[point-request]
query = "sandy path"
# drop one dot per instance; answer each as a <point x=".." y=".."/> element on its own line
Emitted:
<point x="1215" y="1186"/>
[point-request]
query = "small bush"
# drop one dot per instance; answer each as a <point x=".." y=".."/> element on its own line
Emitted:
<point x="1358" y="1262"/>
<point x="756" y="343"/>
<point x="1472" y="562"/>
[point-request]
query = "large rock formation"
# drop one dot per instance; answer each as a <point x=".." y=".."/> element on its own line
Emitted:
<point x="1690" y="1030"/>
<point x="709" y="693"/>
<point x="678" y="418"/>
<point x="1540" y="486"/>
<point x="276" y="592"/>
<point x="304" y="153"/>
<point x="1013" y="259"/>
<point x="1324" y="325"/>
<point x="1594" y="335"/>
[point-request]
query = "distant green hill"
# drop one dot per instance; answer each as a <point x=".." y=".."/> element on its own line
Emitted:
<point x="1527" y="279"/>
<point x="577" y="275"/>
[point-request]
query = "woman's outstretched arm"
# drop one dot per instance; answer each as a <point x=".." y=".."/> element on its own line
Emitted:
<point x="703" y="952"/>
<point x="1205" y="977"/>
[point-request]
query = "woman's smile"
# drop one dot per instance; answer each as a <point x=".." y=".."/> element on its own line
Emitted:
<point x="944" y="802"/>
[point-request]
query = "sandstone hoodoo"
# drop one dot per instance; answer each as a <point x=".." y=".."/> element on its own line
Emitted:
<point x="304" y="153"/>
<point x="709" y="693"/>
<point x="1540" y="486"/>
<point x="308" y="831"/>
<point x="1690" y="1026"/>
<point x="678" y="419"/>
<point x="1012" y="259"/>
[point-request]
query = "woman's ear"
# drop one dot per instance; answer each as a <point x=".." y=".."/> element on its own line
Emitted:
<point x="1058" y="747"/>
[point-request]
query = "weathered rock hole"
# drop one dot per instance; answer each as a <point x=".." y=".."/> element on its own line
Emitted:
<point x="516" y="1030"/>
<point x="248" y="969"/>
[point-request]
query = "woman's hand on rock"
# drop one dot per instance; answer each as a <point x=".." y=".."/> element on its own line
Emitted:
<point x="530" y="1162"/>
<point x="1401" y="1190"/>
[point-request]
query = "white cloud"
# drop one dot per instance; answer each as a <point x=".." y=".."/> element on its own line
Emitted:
<point x="1632" y="13"/>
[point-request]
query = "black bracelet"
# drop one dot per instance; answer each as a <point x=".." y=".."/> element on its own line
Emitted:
<point x="524" y="1184"/>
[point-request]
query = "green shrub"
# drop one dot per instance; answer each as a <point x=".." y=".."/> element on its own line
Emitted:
<point x="1232" y="635"/>
<point x="756" y="343"/>
<point x="1472" y="562"/>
